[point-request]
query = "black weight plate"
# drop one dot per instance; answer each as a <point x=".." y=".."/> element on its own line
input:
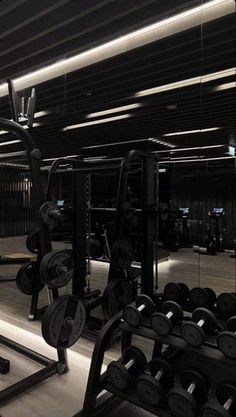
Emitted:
<point x="206" y="315"/>
<point x="172" y="306"/>
<point x="161" y="324"/>
<point x="49" y="213"/>
<point x="198" y="297"/>
<point x="26" y="279"/>
<point x="213" y="409"/>
<point x="56" y="269"/>
<point x="225" y="391"/>
<point x="193" y="376"/>
<point x="226" y="342"/>
<point x="118" y="375"/>
<point x="226" y="303"/>
<point x="132" y="316"/>
<point x="172" y="291"/>
<point x="64" y="321"/>
<point x="117" y="294"/>
<point x="159" y="364"/>
<point x="212" y="296"/>
<point x="149" y="390"/>
<point x="231" y="324"/>
<point x="33" y="242"/>
<point x="96" y="247"/>
<point x="182" y="404"/>
<point x="122" y="254"/>
<point x="133" y="352"/>
<point x="192" y="334"/>
<point x="149" y="304"/>
<point x="185" y="291"/>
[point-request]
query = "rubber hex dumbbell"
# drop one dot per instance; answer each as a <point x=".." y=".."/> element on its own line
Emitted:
<point x="120" y="373"/>
<point x="226" y="340"/>
<point x="226" y="405"/>
<point x="171" y="315"/>
<point x="226" y="303"/>
<point x="152" y="387"/>
<point x="187" y="400"/>
<point x="178" y="292"/>
<point x="134" y="314"/>
<point x="202" y="297"/>
<point x="194" y="331"/>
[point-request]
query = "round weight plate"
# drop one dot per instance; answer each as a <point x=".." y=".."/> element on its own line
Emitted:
<point x="231" y="324"/>
<point x="182" y="404"/>
<point x="175" y="308"/>
<point x="33" y="242"/>
<point x="161" y="324"/>
<point x="206" y="315"/>
<point x="26" y="279"/>
<point x="117" y="294"/>
<point x="149" y="390"/>
<point x="192" y="376"/>
<point x="132" y="352"/>
<point x="212" y="296"/>
<point x="224" y="392"/>
<point x="198" y="297"/>
<point x="226" y="303"/>
<point x="157" y="364"/>
<point x="56" y="269"/>
<point x="132" y="316"/>
<point x="192" y="334"/>
<point x="149" y="304"/>
<point x="118" y="375"/>
<point x="96" y="247"/>
<point x="185" y="291"/>
<point x="226" y="342"/>
<point x="49" y="213"/>
<point x="122" y="254"/>
<point x="64" y="321"/>
<point x="214" y="410"/>
<point x="172" y="291"/>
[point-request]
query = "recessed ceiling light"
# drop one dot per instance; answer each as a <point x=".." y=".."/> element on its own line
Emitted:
<point x="114" y="110"/>
<point x="190" y="132"/>
<point x="161" y="29"/>
<point x="96" y="122"/>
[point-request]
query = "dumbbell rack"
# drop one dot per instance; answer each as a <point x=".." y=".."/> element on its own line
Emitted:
<point x="208" y="359"/>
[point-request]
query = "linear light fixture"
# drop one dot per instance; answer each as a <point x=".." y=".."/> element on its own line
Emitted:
<point x="97" y="122"/>
<point x="198" y="160"/>
<point x="10" y="142"/>
<point x="160" y="142"/>
<point x="226" y="86"/>
<point x="104" y="145"/>
<point x="3" y="132"/>
<point x="186" y="83"/>
<point x="190" y="132"/>
<point x="59" y="157"/>
<point x="159" y="30"/>
<point x="198" y="148"/>
<point x="114" y="110"/>
<point x="187" y="157"/>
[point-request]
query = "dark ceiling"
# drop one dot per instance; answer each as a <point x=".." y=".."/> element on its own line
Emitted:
<point x="34" y="34"/>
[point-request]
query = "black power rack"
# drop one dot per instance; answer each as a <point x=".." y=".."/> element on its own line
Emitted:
<point x="101" y="396"/>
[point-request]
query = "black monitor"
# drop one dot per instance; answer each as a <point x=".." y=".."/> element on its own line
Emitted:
<point x="183" y="212"/>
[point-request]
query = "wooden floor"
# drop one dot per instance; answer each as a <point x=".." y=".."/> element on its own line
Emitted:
<point x="62" y="396"/>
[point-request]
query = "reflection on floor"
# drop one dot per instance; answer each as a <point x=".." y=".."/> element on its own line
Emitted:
<point x="62" y="396"/>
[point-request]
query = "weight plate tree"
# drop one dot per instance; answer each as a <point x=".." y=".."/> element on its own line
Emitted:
<point x="64" y="321"/>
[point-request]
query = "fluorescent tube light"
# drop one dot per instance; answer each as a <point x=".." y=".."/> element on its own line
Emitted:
<point x="114" y="110"/>
<point x="185" y="20"/>
<point x="96" y="122"/>
<point x="190" y="132"/>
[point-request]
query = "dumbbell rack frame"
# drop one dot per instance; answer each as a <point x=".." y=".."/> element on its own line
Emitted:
<point x="96" y="402"/>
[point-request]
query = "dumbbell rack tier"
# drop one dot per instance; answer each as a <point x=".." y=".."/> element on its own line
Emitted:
<point x="208" y="357"/>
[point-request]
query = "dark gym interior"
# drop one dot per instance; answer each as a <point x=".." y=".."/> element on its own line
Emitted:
<point x="117" y="208"/>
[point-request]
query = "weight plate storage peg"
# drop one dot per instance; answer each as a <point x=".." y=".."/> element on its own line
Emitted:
<point x="33" y="242"/>
<point x="56" y="269"/>
<point x="27" y="279"/>
<point x="194" y="332"/>
<point x="171" y="315"/>
<point x="202" y="297"/>
<point x="226" y="303"/>
<point x="186" y="401"/>
<point x="152" y="387"/>
<point x="143" y="308"/>
<point x="49" y="213"/>
<point x="178" y="292"/>
<point x="226" y="340"/>
<point x="226" y="405"/>
<point x="120" y="373"/>
<point x="122" y="254"/>
<point x="64" y="321"/>
<point x="117" y="294"/>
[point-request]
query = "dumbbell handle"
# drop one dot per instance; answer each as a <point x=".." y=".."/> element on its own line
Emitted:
<point x="141" y="307"/>
<point x="201" y="322"/>
<point x="191" y="388"/>
<point x="169" y="314"/>
<point x="228" y="403"/>
<point x="63" y="269"/>
<point x="129" y="364"/>
<point x="159" y="375"/>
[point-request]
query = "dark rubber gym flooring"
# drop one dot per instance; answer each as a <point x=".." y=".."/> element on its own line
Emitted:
<point x="62" y="396"/>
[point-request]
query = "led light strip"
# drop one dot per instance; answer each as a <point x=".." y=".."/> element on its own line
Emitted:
<point x="197" y="160"/>
<point x="156" y="31"/>
<point x="96" y="122"/>
<point x="114" y="110"/>
<point x="190" y="132"/>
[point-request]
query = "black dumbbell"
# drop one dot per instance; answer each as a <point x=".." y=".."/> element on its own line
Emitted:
<point x="226" y="340"/>
<point x="202" y="297"/>
<point x="176" y="292"/>
<point x="134" y="314"/>
<point x="171" y="315"/>
<point x="120" y="373"/>
<point x="226" y="303"/>
<point x="226" y="406"/>
<point x="194" y="331"/>
<point x="186" y="401"/>
<point x="152" y="387"/>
